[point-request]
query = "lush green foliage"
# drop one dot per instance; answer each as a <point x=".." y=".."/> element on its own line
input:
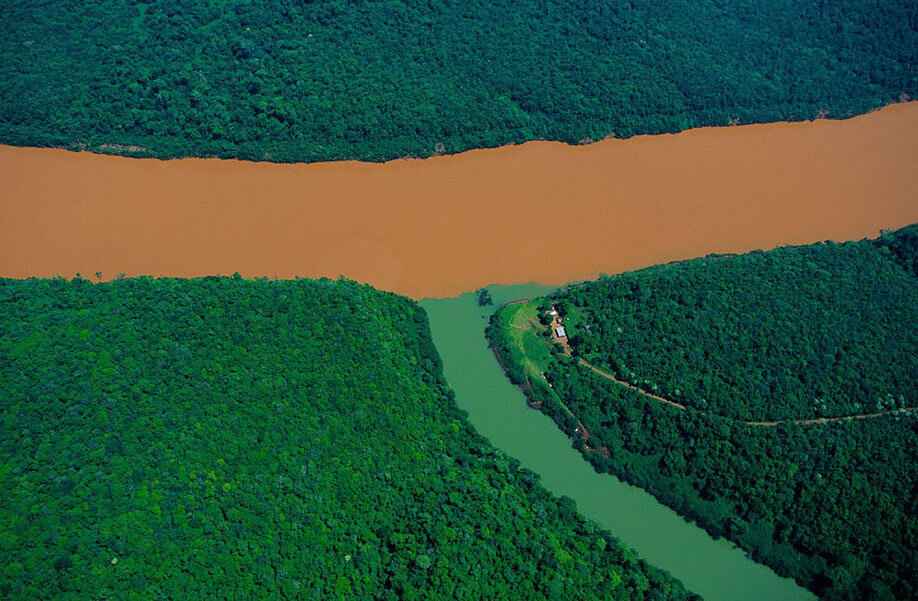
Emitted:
<point x="484" y="297"/>
<point x="833" y="505"/>
<point x="223" y="438"/>
<point x="294" y="80"/>
<point x="814" y="331"/>
<point x="903" y="246"/>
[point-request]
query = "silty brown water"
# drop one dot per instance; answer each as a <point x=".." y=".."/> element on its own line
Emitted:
<point x="542" y="212"/>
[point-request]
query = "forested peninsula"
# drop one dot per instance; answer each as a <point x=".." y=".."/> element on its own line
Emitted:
<point x="293" y="80"/>
<point x="224" y="438"/>
<point x="767" y="396"/>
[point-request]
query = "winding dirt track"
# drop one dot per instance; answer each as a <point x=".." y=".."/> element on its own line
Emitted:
<point x="799" y="422"/>
<point x="556" y="322"/>
<point x="446" y="225"/>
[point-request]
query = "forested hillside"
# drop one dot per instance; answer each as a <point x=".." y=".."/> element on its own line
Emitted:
<point x="832" y="504"/>
<point x="223" y="438"/>
<point x="288" y="80"/>
<point x="794" y="333"/>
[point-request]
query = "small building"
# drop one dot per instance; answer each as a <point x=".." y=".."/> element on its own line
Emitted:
<point x="559" y="331"/>
<point x="552" y="312"/>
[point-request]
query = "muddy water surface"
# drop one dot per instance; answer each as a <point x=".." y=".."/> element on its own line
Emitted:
<point x="543" y="211"/>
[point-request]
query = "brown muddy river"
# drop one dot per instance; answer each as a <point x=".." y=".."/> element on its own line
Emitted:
<point x="541" y="212"/>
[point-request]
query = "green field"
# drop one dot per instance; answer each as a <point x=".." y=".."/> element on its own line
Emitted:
<point x="527" y="347"/>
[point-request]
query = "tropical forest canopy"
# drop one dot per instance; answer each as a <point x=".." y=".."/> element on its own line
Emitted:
<point x="795" y="333"/>
<point x="223" y="438"/>
<point x="831" y="504"/>
<point x="299" y="80"/>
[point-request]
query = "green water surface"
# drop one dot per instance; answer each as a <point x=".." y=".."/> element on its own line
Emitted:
<point x="715" y="569"/>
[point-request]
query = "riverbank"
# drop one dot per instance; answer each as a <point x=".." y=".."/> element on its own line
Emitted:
<point x="713" y="568"/>
<point x="440" y="226"/>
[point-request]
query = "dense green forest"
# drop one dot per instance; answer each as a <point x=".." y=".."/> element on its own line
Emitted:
<point x="795" y="333"/>
<point x="835" y="505"/>
<point x="299" y="80"/>
<point x="224" y="438"/>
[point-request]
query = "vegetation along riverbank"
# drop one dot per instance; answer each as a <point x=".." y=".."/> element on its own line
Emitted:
<point x="798" y="334"/>
<point x="317" y="81"/>
<point x="714" y="568"/>
<point x="232" y="438"/>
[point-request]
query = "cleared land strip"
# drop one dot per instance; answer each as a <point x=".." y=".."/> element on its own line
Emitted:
<point x="609" y="376"/>
<point x="799" y="422"/>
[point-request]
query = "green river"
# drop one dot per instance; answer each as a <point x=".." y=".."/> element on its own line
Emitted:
<point x="715" y="569"/>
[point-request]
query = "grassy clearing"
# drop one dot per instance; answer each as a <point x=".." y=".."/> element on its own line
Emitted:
<point x="527" y="347"/>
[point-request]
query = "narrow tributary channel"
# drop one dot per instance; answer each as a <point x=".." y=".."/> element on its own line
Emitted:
<point x="715" y="569"/>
